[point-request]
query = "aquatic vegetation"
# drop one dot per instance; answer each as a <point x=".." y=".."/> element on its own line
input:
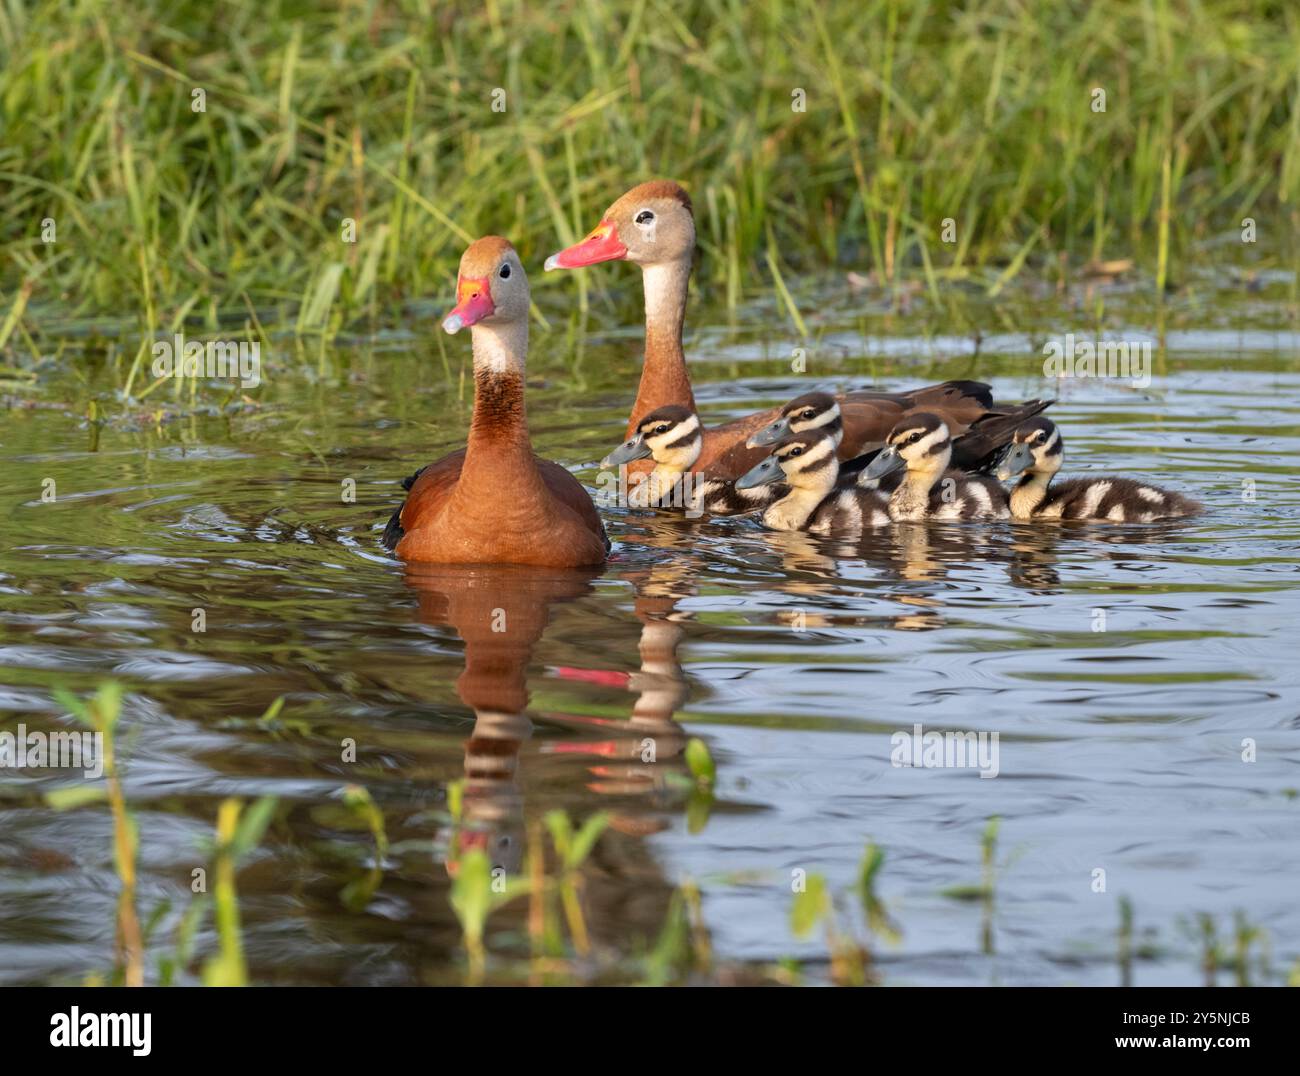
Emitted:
<point x="271" y="722"/>
<point x="306" y="171"/>
<point x="477" y="891"/>
<point x="357" y="893"/>
<point x="986" y="890"/>
<point x="850" y="955"/>
<point x="700" y="762"/>
<point x="877" y="916"/>
<point x="683" y="951"/>
<point x="101" y="714"/>
<point x="700" y="795"/>
<point x="480" y="888"/>
<point x="573" y="847"/>
<point x="1233" y="953"/>
<point x="239" y="831"/>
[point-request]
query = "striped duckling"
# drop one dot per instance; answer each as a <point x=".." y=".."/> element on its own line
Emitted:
<point x="672" y="437"/>
<point x="811" y="411"/>
<point x="1036" y="453"/>
<point x="929" y="490"/>
<point x="803" y="466"/>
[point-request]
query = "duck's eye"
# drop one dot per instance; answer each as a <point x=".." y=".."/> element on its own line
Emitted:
<point x="661" y="429"/>
<point x="505" y="272"/>
<point x="796" y="451"/>
<point x="810" y="414"/>
<point x="645" y="217"/>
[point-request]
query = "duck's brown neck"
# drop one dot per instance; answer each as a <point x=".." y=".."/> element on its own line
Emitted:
<point x="664" y="379"/>
<point x="499" y="448"/>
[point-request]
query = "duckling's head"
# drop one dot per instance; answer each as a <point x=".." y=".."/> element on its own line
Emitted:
<point x="1035" y="449"/>
<point x="670" y="435"/>
<point x="920" y="442"/>
<point x="811" y="411"/>
<point x="652" y="224"/>
<point x="804" y="461"/>
<point x="491" y="286"/>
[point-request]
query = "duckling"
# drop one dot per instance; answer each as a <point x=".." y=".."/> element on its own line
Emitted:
<point x="805" y="466"/>
<point x="672" y="437"/>
<point x="717" y="495"/>
<point x="929" y="490"/>
<point x="975" y="450"/>
<point x="1036" y="451"/>
<point x="811" y="411"/>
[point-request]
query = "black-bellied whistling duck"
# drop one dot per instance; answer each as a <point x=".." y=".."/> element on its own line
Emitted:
<point x="930" y="490"/>
<point x="494" y="502"/>
<point x="806" y="466"/>
<point x="1037" y="452"/>
<point x="653" y="225"/>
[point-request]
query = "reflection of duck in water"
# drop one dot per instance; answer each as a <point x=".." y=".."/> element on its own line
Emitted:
<point x="500" y="612"/>
<point x="639" y="753"/>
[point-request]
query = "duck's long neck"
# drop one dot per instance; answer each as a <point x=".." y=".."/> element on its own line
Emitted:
<point x="499" y="447"/>
<point x="664" y="379"/>
<point x="1029" y="493"/>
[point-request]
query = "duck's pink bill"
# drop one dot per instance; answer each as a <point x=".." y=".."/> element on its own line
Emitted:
<point x="603" y="245"/>
<point x="473" y="304"/>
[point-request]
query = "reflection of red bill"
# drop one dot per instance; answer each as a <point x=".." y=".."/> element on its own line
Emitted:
<point x="606" y="677"/>
<point x="605" y="748"/>
<point x="466" y="841"/>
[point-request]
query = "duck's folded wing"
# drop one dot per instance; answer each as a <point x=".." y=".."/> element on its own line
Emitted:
<point x="425" y="492"/>
<point x="568" y="490"/>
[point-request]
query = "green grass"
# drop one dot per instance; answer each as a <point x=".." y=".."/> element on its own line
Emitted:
<point x="381" y="112"/>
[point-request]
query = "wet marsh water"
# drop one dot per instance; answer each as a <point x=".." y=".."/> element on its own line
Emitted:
<point x="794" y="659"/>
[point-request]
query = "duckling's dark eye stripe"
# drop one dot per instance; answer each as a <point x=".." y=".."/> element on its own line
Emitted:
<point x="684" y="440"/>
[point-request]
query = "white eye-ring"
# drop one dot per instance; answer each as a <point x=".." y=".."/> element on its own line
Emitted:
<point x="645" y="218"/>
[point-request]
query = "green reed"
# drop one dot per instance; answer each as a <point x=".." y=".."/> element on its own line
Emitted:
<point x="101" y="714"/>
<point x="238" y="832"/>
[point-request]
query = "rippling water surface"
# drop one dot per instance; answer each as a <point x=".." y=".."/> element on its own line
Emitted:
<point x="794" y="659"/>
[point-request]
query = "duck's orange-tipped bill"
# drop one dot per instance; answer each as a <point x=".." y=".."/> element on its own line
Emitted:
<point x="603" y="245"/>
<point x="473" y="304"/>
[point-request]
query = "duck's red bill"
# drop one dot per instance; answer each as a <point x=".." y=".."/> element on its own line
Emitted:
<point x="603" y="245"/>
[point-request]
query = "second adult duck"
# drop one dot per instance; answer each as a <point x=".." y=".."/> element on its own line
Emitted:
<point x="653" y="225"/>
